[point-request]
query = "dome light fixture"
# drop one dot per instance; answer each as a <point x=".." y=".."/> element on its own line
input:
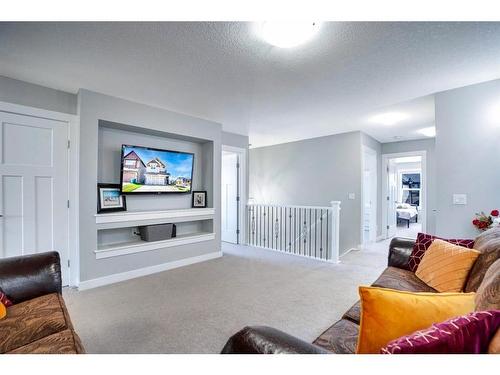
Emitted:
<point x="288" y="34"/>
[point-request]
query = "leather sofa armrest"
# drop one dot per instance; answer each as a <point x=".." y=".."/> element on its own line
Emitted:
<point x="399" y="252"/>
<point x="30" y="276"/>
<point x="267" y="340"/>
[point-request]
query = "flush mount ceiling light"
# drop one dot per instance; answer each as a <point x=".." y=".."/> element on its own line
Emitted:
<point x="288" y="34"/>
<point x="389" y="118"/>
<point x="428" y="132"/>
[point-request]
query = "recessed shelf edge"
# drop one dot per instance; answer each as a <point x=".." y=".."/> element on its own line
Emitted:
<point x="140" y="246"/>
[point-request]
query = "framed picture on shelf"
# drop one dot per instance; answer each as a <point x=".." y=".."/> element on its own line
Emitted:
<point x="199" y="199"/>
<point x="110" y="198"/>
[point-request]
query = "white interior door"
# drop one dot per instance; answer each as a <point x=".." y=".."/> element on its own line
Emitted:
<point x="367" y="207"/>
<point x="392" y="191"/>
<point x="369" y="195"/>
<point x="34" y="187"/>
<point x="229" y="197"/>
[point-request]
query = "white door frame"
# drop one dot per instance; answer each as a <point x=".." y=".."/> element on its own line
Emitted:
<point x="73" y="123"/>
<point x="242" y="186"/>
<point x="368" y="150"/>
<point x="423" y="197"/>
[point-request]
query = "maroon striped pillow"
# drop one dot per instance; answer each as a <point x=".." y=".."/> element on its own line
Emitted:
<point x="4" y="300"/>
<point x="424" y="241"/>
<point x="467" y="334"/>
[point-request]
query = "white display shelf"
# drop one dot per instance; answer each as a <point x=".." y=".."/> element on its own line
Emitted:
<point x="134" y="218"/>
<point x="137" y="246"/>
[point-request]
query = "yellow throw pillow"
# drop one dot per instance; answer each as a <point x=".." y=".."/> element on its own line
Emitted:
<point x="3" y="310"/>
<point x="445" y="266"/>
<point x="387" y="314"/>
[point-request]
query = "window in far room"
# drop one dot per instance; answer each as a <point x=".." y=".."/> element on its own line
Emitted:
<point x="410" y="187"/>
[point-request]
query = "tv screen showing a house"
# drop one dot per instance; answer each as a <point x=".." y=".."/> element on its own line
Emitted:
<point x="149" y="170"/>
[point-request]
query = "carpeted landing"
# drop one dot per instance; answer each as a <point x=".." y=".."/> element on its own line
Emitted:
<point x="195" y="309"/>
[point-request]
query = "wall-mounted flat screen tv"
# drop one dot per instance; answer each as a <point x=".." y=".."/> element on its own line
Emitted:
<point x="147" y="170"/>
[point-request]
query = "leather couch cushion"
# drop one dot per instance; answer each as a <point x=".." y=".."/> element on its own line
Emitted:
<point x="64" y="342"/>
<point x="341" y="338"/>
<point x="354" y="313"/>
<point x="32" y="320"/>
<point x="396" y="278"/>
<point x="488" y="244"/>
<point x="488" y="293"/>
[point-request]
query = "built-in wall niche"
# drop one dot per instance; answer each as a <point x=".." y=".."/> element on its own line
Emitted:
<point x="112" y="135"/>
<point x="116" y="230"/>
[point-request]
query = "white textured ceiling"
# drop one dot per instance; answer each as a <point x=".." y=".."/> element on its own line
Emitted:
<point x="225" y="73"/>
<point x="419" y="114"/>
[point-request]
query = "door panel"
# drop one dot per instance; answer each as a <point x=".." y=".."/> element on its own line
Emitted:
<point x="26" y="145"/>
<point x="391" y="198"/>
<point x="44" y="213"/>
<point x="12" y="232"/>
<point x="33" y="187"/>
<point x="229" y="196"/>
<point x="369" y="196"/>
<point x="367" y="207"/>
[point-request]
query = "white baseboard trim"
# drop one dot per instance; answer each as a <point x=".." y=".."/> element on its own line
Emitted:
<point x="380" y="238"/>
<point x="117" y="277"/>
<point x="349" y="250"/>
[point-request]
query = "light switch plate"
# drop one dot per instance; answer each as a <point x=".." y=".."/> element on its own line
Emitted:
<point x="352" y="196"/>
<point x="460" y="199"/>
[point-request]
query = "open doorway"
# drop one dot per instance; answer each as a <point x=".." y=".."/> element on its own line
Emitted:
<point x="232" y="194"/>
<point x="404" y="194"/>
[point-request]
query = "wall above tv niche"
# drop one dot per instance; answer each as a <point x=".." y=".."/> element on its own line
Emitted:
<point x="111" y="136"/>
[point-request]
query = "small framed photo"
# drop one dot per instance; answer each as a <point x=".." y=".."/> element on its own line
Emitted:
<point x="110" y="198"/>
<point x="199" y="199"/>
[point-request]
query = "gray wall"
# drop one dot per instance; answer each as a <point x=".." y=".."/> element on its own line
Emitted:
<point x="235" y="140"/>
<point x="153" y="121"/>
<point x="467" y="155"/>
<point x="428" y="145"/>
<point x="24" y="93"/>
<point x="312" y="172"/>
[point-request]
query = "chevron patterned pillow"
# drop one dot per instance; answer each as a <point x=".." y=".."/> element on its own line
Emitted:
<point x="424" y="241"/>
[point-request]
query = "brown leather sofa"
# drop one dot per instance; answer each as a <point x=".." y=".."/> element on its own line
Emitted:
<point x="342" y="336"/>
<point x="38" y="322"/>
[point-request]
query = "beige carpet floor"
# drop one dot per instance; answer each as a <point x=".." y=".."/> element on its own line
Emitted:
<point x="195" y="309"/>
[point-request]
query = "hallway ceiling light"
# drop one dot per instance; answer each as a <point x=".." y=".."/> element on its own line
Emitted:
<point x="288" y="34"/>
<point x="389" y="118"/>
<point x="428" y="132"/>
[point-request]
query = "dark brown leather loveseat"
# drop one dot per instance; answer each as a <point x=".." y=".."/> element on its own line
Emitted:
<point x="342" y="336"/>
<point x="38" y="322"/>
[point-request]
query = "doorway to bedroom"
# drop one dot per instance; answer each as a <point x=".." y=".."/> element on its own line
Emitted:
<point x="404" y="194"/>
